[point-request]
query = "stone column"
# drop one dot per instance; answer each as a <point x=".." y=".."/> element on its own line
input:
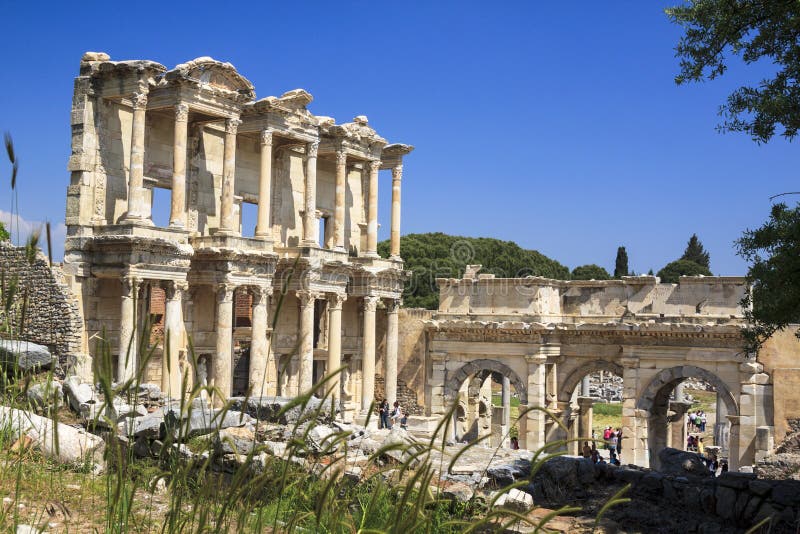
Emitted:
<point x="223" y="360"/>
<point x="679" y="394"/>
<point x="335" y="345"/>
<point x="505" y="398"/>
<point x="307" y="300"/>
<point x="734" y="450"/>
<point x="634" y="421"/>
<point x="173" y="339"/>
<point x="177" y="215"/>
<point x="372" y="221"/>
<point x="392" y="332"/>
<point x="226" y="222"/>
<point x="585" y="389"/>
<point x="136" y="208"/>
<point x="585" y="422"/>
<point x="368" y="354"/>
<point x="397" y="176"/>
<point x="310" y="228"/>
<point x="259" y="346"/>
<point x="128" y="330"/>
<point x="533" y="436"/>
<point x="338" y="214"/>
<point x="721" y="432"/>
<point x="263" y="230"/>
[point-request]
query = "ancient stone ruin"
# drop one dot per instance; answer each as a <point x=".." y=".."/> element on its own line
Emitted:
<point x="270" y="309"/>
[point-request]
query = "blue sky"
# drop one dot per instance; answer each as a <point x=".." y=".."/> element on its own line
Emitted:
<point x="555" y="125"/>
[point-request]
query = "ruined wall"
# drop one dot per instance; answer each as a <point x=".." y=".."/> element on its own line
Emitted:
<point x="676" y="503"/>
<point x="411" y="358"/>
<point x="52" y="316"/>
<point x="779" y="358"/>
<point x="641" y="295"/>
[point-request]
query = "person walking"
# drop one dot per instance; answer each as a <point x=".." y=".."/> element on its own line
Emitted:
<point x="619" y="443"/>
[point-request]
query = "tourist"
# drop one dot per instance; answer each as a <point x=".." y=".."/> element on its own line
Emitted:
<point x="514" y="443"/>
<point x="383" y="411"/>
<point x="701" y="450"/>
<point x="396" y="414"/>
<point x="607" y="438"/>
<point x="587" y="450"/>
<point x="619" y="442"/>
<point x="613" y="441"/>
<point x="703" y="422"/>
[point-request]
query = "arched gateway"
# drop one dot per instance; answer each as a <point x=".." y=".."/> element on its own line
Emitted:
<point x="547" y="335"/>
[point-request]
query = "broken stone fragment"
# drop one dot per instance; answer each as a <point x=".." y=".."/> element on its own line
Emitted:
<point x="95" y="56"/>
<point x="72" y="445"/>
<point x="46" y="395"/>
<point x="24" y="356"/>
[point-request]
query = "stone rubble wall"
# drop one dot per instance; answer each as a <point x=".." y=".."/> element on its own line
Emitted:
<point x="52" y="316"/>
<point x="738" y="498"/>
<point x="406" y="396"/>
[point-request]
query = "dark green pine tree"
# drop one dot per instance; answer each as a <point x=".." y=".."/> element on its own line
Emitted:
<point x="621" y="265"/>
<point x="696" y="253"/>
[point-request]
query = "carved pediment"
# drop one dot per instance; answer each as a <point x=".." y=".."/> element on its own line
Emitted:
<point x="214" y="75"/>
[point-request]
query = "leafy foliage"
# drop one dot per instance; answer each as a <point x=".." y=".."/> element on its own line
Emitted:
<point x="696" y="253"/>
<point x="774" y="253"/>
<point x="590" y="272"/>
<point x="437" y="255"/>
<point x="621" y="264"/>
<point x="674" y="270"/>
<point x="4" y="235"/>
<point x="754" y="30"/>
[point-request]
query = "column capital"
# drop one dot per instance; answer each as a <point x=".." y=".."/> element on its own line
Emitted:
<point x="335" y="301"/>
<point x="371" y="303"/>
<point x="181" y="112"/>
<point x="130" y="284"/>
<point x="629" y="362"/>
<point x="392" y="305"/>
<point x="260" y="294"/>
<point x="307" y="298"/>
<point x="225" y="291"/>
<point x="139" y="100"/>
<point x="540" y="359"/>
<point x="175" y="288"/>
<point x="266" y="137"/>
<point x="341" y="157"/>
<point x="397" y="172"/>
<point x="374" y="165"/>
<point x="312" y="148"/>
<point x="232" y="125"/>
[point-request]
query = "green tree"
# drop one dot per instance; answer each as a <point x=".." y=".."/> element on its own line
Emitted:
<point x="621" y="264"/>
<point x="674" y="270"/>
<point x="437" y="255"/>
<point x="754" y="30"/>
<point x="590" y="272"/>
<point x="773" y="250"/>
<point x="696" y="253"/>
<point x="4" y="235"/>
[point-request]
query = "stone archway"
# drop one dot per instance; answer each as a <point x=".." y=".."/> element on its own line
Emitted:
<point x="653" y="404"/>
<point x="470" y="382"/>
<point x="482" y="366"/>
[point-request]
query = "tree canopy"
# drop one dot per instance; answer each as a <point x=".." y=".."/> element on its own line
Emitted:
<point x="674" y="270"/>
<point x="590" y="272"/>
<point x="696" y="253"/>
<point x="754" y="30"/>
<point x="621" y="263"/>
<point x="4" y="235"/>
<point x="773" y="250"/>
<point x="437" y="255"/>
